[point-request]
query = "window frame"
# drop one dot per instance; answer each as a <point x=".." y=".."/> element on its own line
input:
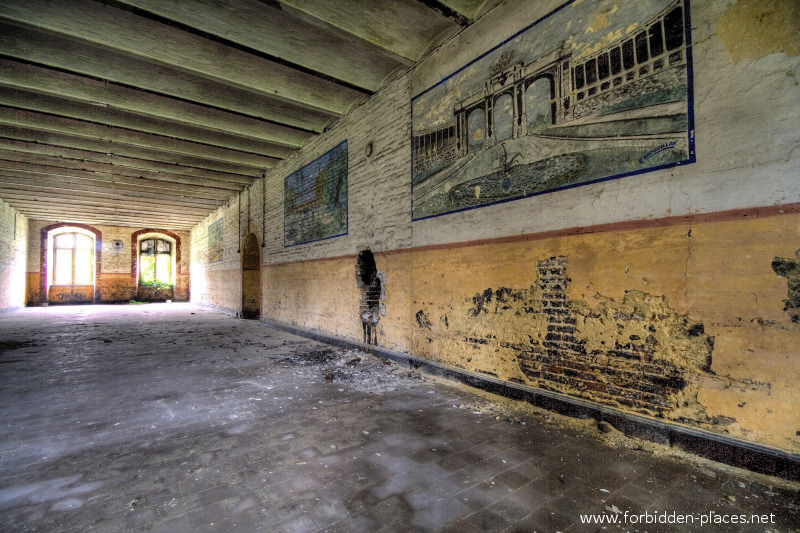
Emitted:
<point x="170" y="257"/>
<point x="158" y="259"/>
<point x="75" y="249"/>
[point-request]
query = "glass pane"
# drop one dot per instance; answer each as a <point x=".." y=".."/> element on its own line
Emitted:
<point x="641" y="48"/>
<point x="616" y="61"/>
<point x="83" y="242"/>
<point x="63" y="269"/>
<point x="579" y="79"/>
<point x="163" y="246"/>
<point x="65" y="240"/>
<point x="673" y="28"/>
<point x="627" y="54"/>
<point x="602" y="66"/>
<point x="163" y="263"/>
<point x="147" y="245"/>
<point x="591" y="71"/>
<point x="656" y="40"/>
<point x="147" y="265"/>
<point x="83" y="267"/>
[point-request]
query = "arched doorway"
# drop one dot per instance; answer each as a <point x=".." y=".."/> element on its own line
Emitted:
<point x="538" y="104"/>
<point x="476" y="130"/>
<point x="156" y="266"/>
<point x="251" y="277"/>
<point x="503" y="117"/>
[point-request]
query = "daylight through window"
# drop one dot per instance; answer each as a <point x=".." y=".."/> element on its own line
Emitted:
<point x="72" y="259"/>
<point x="155" y="261"/>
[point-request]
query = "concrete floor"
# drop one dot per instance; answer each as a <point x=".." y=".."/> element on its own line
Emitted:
<point x="171" y="417"/>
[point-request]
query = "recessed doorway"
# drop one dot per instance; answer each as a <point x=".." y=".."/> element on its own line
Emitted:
<point x="251" y="278"/>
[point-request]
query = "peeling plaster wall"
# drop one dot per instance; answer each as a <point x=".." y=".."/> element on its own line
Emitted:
<point x="650" y="320"/>
<point x="117" y="281"/>
<point x="671" y="294"/>
<point x="13" y="250"/>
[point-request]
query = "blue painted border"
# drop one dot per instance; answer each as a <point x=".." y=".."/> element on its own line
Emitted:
<point x="347" y="218"/>
<point x="690" y="118"/>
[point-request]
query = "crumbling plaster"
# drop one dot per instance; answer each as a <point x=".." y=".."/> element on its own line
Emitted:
<point x="691" y="245"/>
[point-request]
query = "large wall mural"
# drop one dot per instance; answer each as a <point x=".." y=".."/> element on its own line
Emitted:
<point x="315" y="199"/>
<point x="593" y="91"/>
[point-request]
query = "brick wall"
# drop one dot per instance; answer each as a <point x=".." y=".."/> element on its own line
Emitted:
<point x="116" y="270"/>
<point x="219" y="283"/>
<point x="630" y="373"/>
<point x="654" y="293"/>
<point x="13" y="257"/>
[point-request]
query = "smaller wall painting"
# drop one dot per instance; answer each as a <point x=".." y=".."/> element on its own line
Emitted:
<point x="315" y="199"/>
<point x="215" y="241"/>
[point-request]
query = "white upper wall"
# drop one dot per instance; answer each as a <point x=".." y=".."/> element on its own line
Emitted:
<point x="746" y="110"/>
<point x="746" y="115"/>
<point x="13" y="253"/>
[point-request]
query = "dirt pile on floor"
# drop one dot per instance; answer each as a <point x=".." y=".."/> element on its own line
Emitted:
<point x="361" y="371"/>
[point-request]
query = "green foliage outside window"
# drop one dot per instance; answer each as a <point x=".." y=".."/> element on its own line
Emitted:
<point x="155" y="264"/>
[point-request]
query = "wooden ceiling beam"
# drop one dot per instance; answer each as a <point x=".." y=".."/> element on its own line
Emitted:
<point x="178" y="215"/>
<point x="125" y="184"/>
<point x="21" y="75"/>
<point x="230" y="180"/>
<point x="49" y="213"/>
<point x="12" y="134"/>
<point x="21" y="166"/>
<point x="25" y="151"/>
<point x="83" y="58"/>
<point x="34" y="187"/>
<point x="98" y="114"/>
<point x="32" y="119"/>
<point x="261" y="27"/>
<point x="403" y="29"/>
<point x="123" y="31"/>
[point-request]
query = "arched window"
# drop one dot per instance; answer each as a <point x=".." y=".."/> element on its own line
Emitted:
<point x="73" y="259"/>
<point x="155" y="261"/>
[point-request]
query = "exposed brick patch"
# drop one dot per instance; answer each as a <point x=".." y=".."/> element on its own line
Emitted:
<point x="789" y="268"/>
<point x="372" y="285"/>
<point x="633" y="373"/>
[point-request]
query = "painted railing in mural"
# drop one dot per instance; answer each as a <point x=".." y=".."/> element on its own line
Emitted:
<point x="572" y="86"/>
<point x="434" y="149"/>
<point x="660" y="45"/>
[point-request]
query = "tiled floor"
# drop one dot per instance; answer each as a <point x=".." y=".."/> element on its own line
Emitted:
<point x="174" y="418"/>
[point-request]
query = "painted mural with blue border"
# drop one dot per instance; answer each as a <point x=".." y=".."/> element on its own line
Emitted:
<point x="595" y="90"/>
<point x="315" y="199"/>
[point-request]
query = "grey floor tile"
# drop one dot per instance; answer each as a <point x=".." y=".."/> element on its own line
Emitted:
<point x="232" y="426"/>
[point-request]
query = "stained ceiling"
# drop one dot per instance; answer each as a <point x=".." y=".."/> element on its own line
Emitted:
<point x="155" y="112"/>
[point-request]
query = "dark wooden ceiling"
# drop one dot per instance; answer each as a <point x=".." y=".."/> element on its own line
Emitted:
<point x="155" y="112"/>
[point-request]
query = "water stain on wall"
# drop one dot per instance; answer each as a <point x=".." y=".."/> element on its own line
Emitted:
<point x="752" y="29"/>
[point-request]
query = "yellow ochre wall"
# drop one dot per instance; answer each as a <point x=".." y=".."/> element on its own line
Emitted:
<point x="670" y="275"/>
<point x="670" y="294"/>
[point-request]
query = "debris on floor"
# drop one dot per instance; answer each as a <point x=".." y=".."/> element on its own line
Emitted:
<point x="360" y="370"/>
